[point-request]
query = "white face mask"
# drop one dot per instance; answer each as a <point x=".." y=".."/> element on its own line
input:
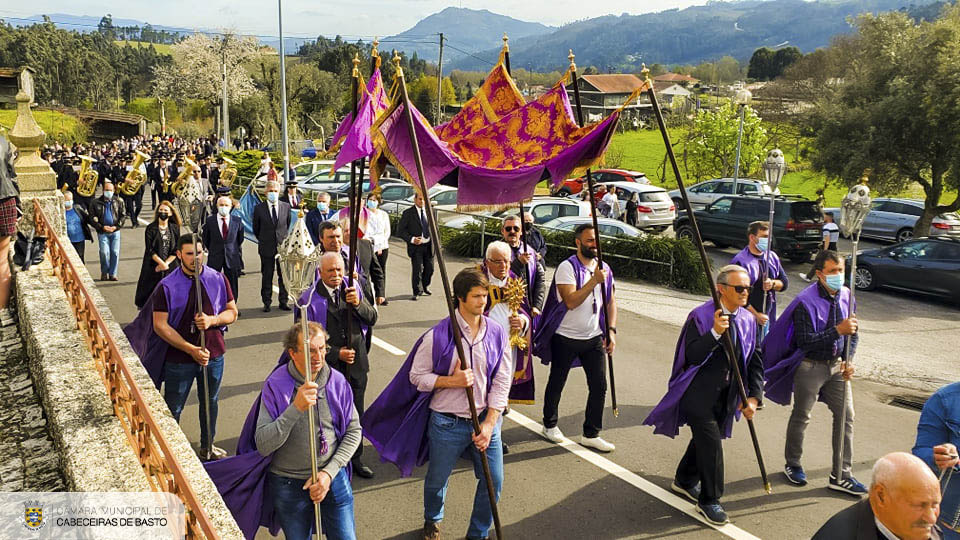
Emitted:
<point x="223" y="210"/>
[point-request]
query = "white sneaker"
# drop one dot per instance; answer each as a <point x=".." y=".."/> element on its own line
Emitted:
<point x="552" y="434"/>
<point x="803" y="276"/>
<point x="597" y="444"/>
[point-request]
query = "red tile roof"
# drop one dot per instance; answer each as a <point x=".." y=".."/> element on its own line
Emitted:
<point x="614" y="83"/>
<point x="675" y="78"/>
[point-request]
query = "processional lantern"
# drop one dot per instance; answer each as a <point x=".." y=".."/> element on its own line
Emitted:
<point x="190" y="205"/>
<point x="298" y="258"/>
<point x="742" y="97"/>
<point x="773" y="168"/>
<point x="854" y="209"/>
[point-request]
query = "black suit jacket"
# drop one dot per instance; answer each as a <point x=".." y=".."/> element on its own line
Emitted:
<point x="371" y="272"/>
<point x="96" y="212"/>
<point x="223" y="253"/>
<point x="337" y="327"/>
<point x="856" y="523"/>
<point x="270" y="236"/>
<point x="286" y="198"/>
<point x="409" y="227"/>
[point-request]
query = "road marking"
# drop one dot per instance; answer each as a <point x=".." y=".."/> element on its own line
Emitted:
<point x="626" y="475"/>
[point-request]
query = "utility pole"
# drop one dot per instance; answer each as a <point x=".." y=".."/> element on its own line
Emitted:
<point x="283" y="98"/>
<point x="225" y="123"/>
<point x="439" y="82"/>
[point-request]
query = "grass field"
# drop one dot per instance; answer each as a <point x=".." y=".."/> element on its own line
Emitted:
<point x="161" y="48"/>
<point x="58" y="126"/>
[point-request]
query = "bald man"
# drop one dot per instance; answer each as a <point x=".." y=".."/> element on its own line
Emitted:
<point x="904" y="504"/>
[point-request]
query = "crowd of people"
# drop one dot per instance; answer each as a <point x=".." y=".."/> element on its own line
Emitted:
<point x="423" y="416"/>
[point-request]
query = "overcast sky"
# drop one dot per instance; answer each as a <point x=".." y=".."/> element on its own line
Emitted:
<point x="350" y="18"/>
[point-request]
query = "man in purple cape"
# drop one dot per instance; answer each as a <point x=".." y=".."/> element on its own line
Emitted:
<point x="760" y="263"/>
<point x="166" y="336"/>
<point x="702" y="392"/>
<point x="423" y="413"/>
<point x="525" y="263"/>
<point x="267" y="482"/>
<point x="572" y="332"/>
<point x="804" y="356"/>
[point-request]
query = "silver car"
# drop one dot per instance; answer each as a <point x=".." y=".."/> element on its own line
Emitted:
<point x="655" y="209"/>
<point x="705" y="193"/>
<point x="894" y="219"/>
<point x="608" y="227"/>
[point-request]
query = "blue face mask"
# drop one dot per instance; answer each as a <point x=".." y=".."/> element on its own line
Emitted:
<point x="273" y="196"/>
<point x="323" y="207"/>
<point x="371" y="204"/>
<point x="763" y="243"/>
<point x="68" y="204"/>
<point x="108" y="194"/>
<point x="834" y="281"/>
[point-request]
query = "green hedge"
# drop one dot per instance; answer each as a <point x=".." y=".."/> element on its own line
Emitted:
<point x="628" y="257"/>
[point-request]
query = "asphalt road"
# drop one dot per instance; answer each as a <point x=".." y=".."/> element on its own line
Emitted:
<point x="552" y="491"/>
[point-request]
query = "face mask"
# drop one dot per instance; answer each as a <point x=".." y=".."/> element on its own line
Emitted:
<point x="68" y="204"/>
<point x="108" y="194"/>
<point x="763" y="243"/>
<point x="273" y="196"/>
<point x="371" y="204"/>
<point x="163" y="216"/>
<point x="323" y="207"/>
<point x="834" y="281"/>
<point x="223" y="210"/>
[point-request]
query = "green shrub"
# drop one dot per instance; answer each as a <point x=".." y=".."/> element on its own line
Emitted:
<point x="58" y="126"/>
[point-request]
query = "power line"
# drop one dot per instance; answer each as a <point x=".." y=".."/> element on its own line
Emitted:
<point x="468" y="53"/>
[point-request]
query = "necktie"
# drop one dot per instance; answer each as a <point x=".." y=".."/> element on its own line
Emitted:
<point x="223" y="228"/>
<point x="423" y="223"/>
<point x="733" y="334"/>
<point x="273" y="213"/>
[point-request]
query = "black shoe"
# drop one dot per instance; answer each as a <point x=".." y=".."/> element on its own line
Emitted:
<point x="414" y="298"/>
<point x="692" y="493"/>
<point x="506" y="448"/>
<point x="239" y="313"/>
<point x="385" y="302"/>
<point x="426" y="292"/>
<point x="713" y="513"/>
<point x="362" y="470"/>
<point x="242" y="273"/>
<point x="266" y="308"/>
<point x="284" y="307"/>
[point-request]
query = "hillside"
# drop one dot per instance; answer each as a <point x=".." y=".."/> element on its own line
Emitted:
<point x="467" y="29"/>
<point x="689" y="36"/>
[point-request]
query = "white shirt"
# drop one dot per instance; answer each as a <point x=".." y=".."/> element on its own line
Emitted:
<point x="614" y="204"/>
<point x="500" y="314"/>
<point x="224" y="221"/>
<point x="378" y="229"/>
<point x="583" y="321"/>
<point x="422" y="216"/>
<point x="884" y="530"/>
<point x="831" y="230"/>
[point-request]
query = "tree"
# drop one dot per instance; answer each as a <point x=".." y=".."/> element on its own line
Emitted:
<point x="105" y="27"/>
<point x="896" y="114"/>
<point x="711" y="145"/>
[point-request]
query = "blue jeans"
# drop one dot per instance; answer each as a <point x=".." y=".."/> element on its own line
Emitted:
<point x="109" y="252"/>
<point x="177" y="380"/>
<point x="449" y="439"/>
<point x="294" y="509"/>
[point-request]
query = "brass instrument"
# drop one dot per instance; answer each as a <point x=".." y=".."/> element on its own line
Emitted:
<point x="188" y="167"/>
<point x="87" y="182"/>
<point x="229" y="173"/>
<point x="136" y="177"/>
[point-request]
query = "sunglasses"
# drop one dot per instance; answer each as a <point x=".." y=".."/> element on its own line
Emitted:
<point x="740" y="288"/>
<point x="512" y="229"/>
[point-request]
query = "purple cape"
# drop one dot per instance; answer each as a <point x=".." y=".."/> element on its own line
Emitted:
<point x="241" y="479"/>
<point x="149" y="346"/>
<point x="781" y="356"/>
<point x="666" y="417"/>
<point x="554" y="310"/>
<point x="396" y="423"/>
<point x="522" y="387"/>
<point x="754" y="266"/>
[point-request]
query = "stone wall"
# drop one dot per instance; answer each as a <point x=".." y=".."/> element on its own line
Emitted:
<point x="95" y="452"/>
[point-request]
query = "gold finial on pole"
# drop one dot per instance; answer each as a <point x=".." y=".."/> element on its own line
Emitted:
<point x="376" y="44"/>
<point x="356" y="64"/>
<point x="645" y="71"/>
<point x="506" y="47"/>
<point x="571" y="56"/>
<point x="396" y="62"/>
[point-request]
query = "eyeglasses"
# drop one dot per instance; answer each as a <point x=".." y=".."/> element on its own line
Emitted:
<point x="739" y="288"/>
<point x="511" y="229"/>
<point x="502" y="262"/>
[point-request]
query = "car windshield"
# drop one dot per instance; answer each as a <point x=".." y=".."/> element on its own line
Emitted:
<point x="949" y="216"/>
<point x="655" y="196"/>
<point x="805" y="211"/>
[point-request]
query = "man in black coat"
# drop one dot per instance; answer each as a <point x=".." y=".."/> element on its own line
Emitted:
<point x="519" y="260"/>
<point x="348" y="356"/>
<point x="414" y="230"/>
<point x="223" y="237"/>
<point x="370" y="269"/>
<point x="904" y="503"/>
<point x="292" y="195"/>
<point x="271" y="222"/>
<point x="106" y="216"/>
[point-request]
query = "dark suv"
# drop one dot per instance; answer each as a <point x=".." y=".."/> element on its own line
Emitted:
<point x="797" y="224"/>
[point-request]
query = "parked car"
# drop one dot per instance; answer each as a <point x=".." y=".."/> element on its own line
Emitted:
<point x="797" y="224"/>
<point x="396" y="191"/>
<point x="303" y="147"/>
<point x="928" y="266"/>
<point x="573" y="186"/>
<point x="894" y="220"/>
<point x="543" y="210"/>
<point x="441" y="198"/>
<point x="308" y="168"/>
<point x="608" y="227"/>
<point x="655" y="210"/>
<point x="705" y="193"/>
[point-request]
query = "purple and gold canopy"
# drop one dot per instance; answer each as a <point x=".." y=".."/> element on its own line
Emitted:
<point x="352" y="138"/>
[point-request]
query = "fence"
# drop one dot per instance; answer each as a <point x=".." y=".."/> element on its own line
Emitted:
<point x="162" y="470"/>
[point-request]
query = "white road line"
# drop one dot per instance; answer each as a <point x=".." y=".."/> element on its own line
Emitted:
<point x="626" y="475"/>
<point x="376" y="341"/>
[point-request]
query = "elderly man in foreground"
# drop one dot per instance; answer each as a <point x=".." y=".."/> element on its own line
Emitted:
<point x="904" y="504"/>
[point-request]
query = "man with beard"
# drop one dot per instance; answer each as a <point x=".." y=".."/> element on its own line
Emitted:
<point x="572" y="328"/>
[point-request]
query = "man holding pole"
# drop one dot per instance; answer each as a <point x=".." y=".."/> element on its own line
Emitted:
<point x="571" y="330"/>
<point x="524" y="262"/>
<point x="700" y="392"/>
<point x="767" y="277"/>
<point x="424" y="412"/>
<point x="804" y="357"/>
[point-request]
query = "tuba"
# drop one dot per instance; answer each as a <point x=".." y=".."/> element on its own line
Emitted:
<point x="136" y="177"/>
<point x="188" y="167"/>
<point x="87" y="182"/>
<point x="229" y="173"/>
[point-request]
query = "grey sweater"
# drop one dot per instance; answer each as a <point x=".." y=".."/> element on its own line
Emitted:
<point x="287" y="437"/>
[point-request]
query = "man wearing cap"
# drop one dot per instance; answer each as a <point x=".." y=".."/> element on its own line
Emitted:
<point x="292" y="195"/>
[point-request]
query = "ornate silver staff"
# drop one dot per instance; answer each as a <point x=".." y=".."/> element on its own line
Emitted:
<point x="191" y="206"/>
<point x="298" y="264"/>
<point x="773" y="168"/>
<point x="853" y="210"/>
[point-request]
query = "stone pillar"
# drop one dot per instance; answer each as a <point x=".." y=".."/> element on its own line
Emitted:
<point x="36" y="179"/>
